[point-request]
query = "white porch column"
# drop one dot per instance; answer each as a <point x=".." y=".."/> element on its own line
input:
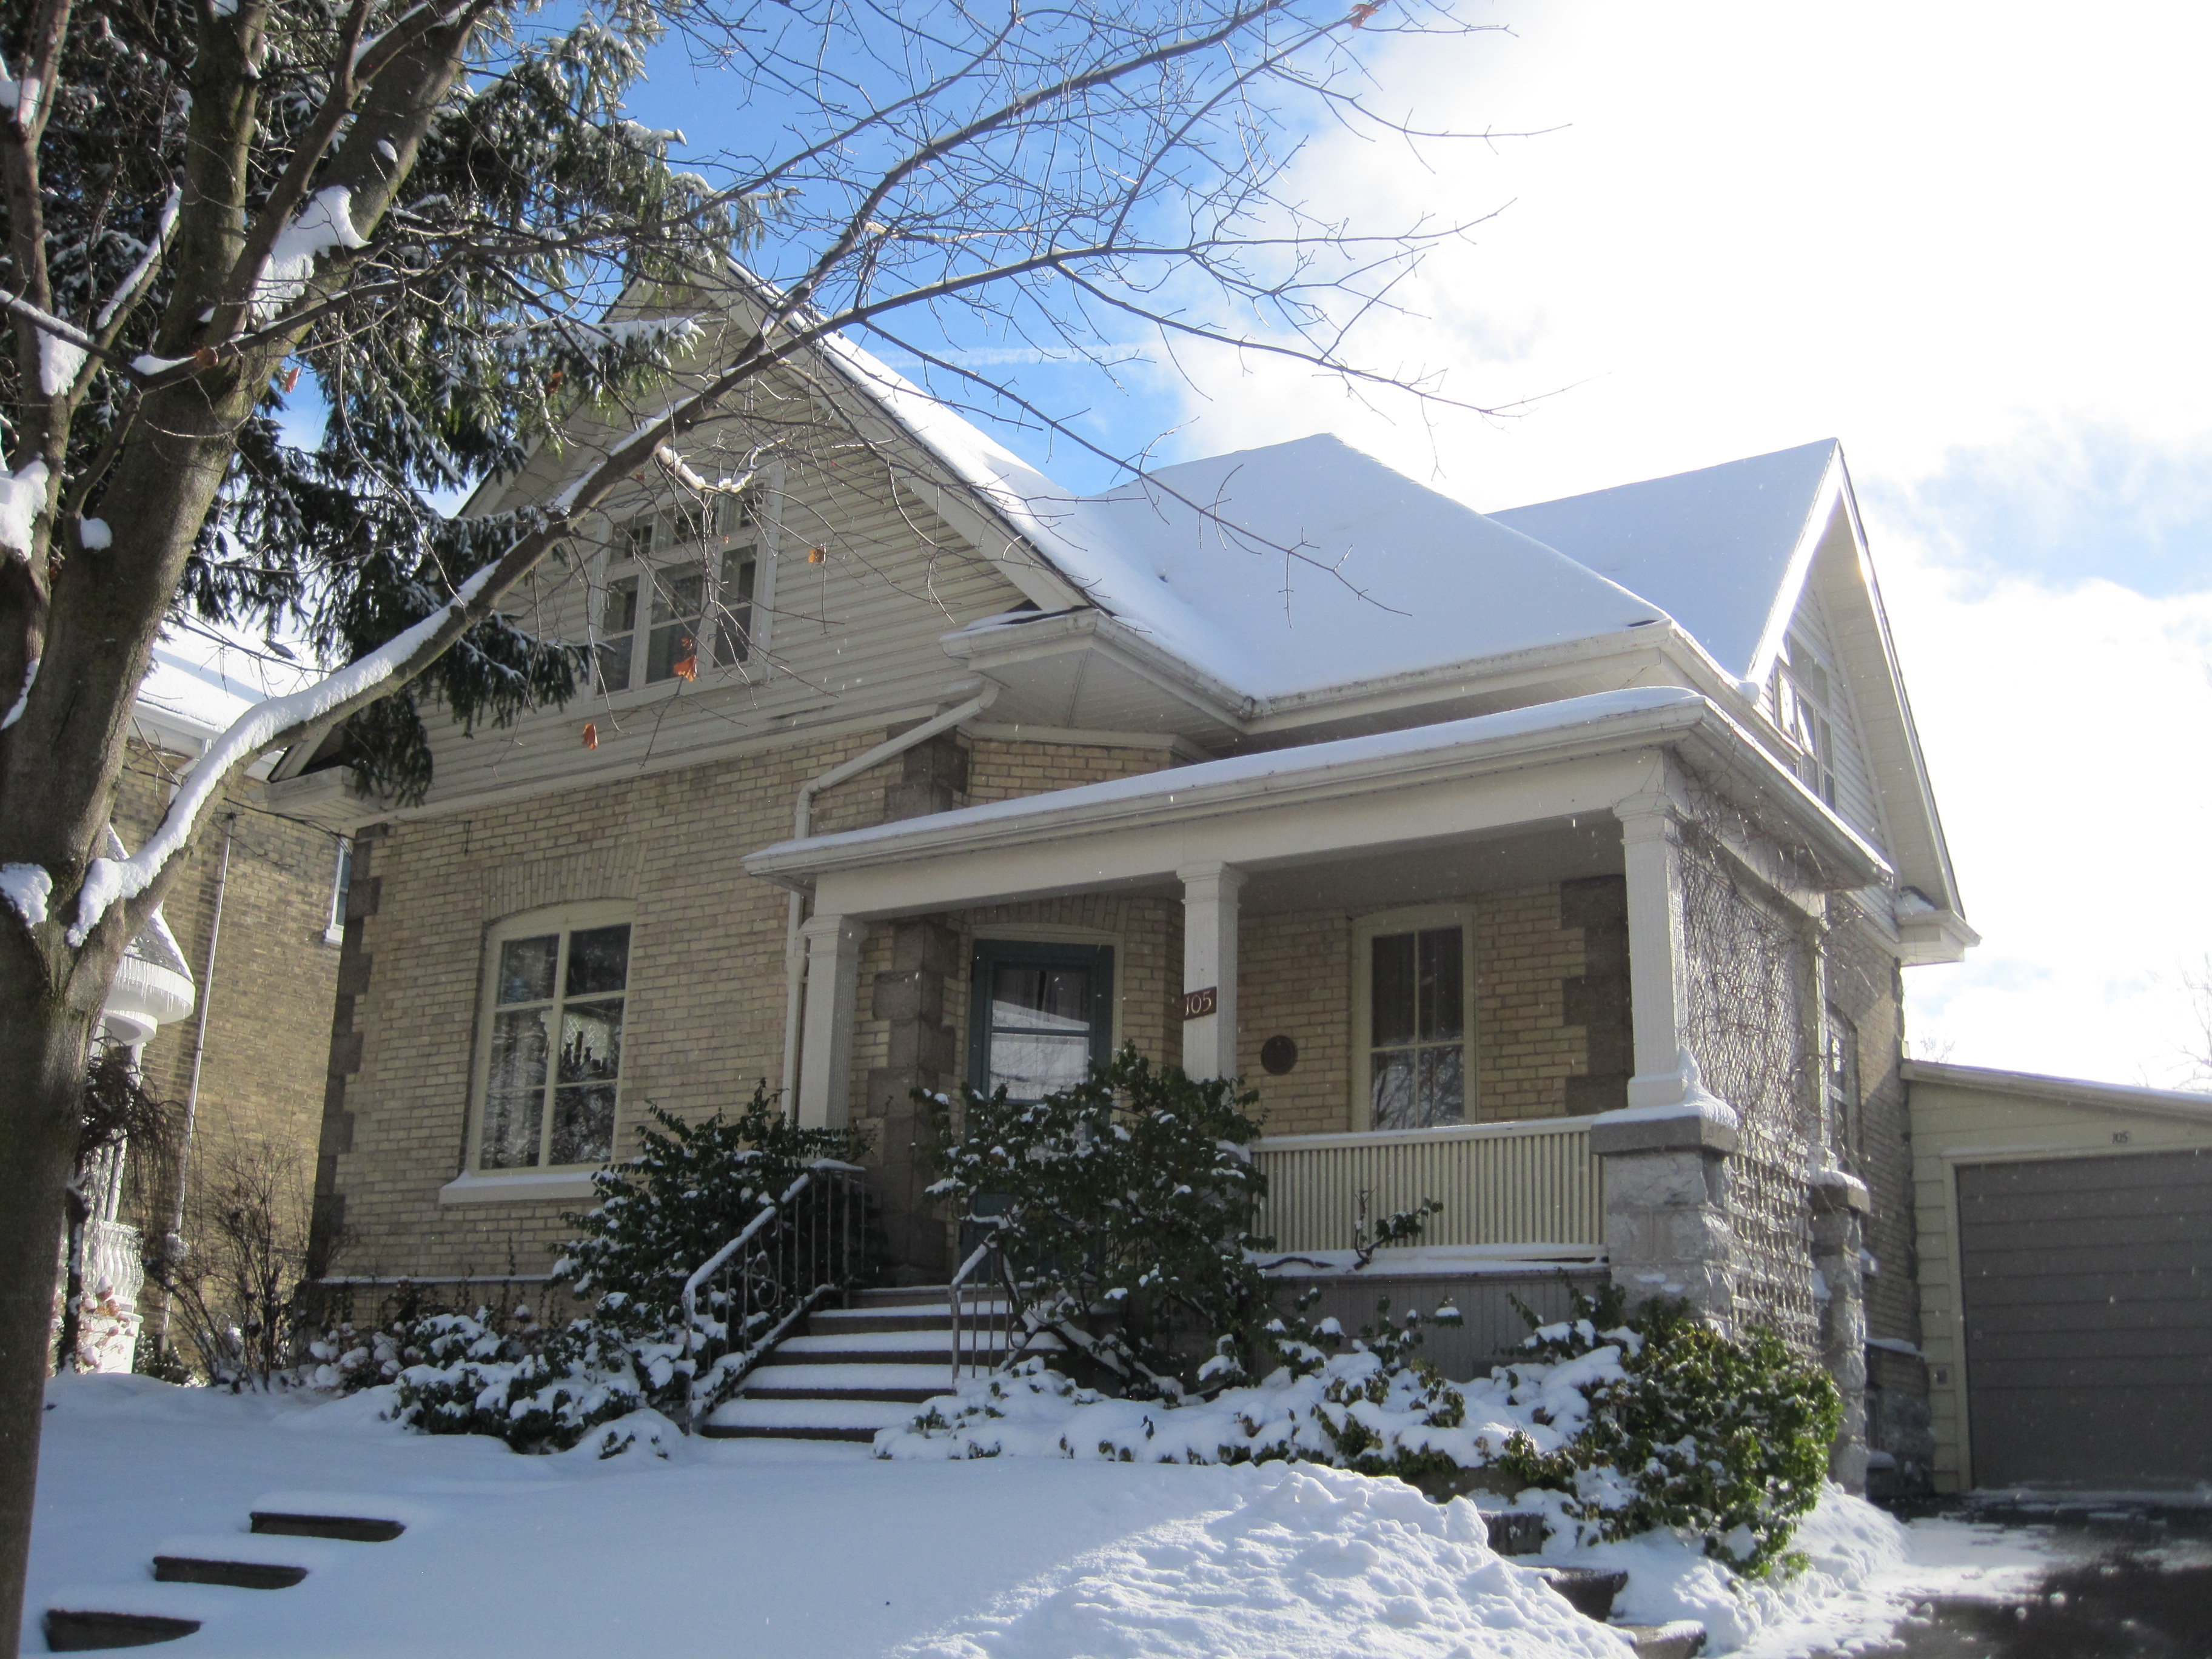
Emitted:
<point x="833" y="991"/>
<point x="1209" y="968"/>
<point x="1651" y="857"/>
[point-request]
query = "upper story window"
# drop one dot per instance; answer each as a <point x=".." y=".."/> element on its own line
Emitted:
<point x="678" y="596"/>
<point x="1416" y="1018"/>
<point x="555" y="986"/>
<point x="1803" y="701"/>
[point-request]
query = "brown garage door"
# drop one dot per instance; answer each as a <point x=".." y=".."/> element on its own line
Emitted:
<point x="2087" y="1288"/>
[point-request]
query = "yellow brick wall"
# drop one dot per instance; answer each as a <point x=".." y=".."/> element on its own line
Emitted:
<point x="268" y="1002"/>
<point x="1299" y="978"/>
<point x="706" y="998"/>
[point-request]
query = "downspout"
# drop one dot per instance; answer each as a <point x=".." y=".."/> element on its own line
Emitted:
<point x="199" y="1057"/>
<point x="802" y="825"/>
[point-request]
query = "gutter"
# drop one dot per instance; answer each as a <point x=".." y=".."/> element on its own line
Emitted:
<point x="1773" y="789"/>
<point x="802" y="824"/>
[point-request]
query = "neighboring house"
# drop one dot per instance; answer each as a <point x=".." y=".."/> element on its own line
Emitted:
<point x="1472" y="842"/>
<point x="2065" y="1232"/>
<point x="238" y="1035"/>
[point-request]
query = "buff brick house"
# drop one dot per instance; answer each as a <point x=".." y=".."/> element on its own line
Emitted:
<point x="1559" y="863"/>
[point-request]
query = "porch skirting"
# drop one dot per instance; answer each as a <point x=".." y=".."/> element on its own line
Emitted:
<point x="1524" y="1184"/>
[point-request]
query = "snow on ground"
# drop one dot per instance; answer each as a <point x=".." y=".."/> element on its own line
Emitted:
<point x="730" y="1547"/>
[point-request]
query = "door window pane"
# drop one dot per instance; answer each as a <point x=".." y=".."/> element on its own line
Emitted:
<point x="1037" y="1020"/>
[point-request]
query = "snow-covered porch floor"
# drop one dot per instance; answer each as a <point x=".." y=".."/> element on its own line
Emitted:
<point x="800" y="1551"/>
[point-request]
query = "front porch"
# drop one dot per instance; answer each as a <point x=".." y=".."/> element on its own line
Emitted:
<point x="1453" y="961"/>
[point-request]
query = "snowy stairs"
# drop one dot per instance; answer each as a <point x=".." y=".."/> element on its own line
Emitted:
<point x="1591" y="1590"/>
<point x="275" y="1555"/>
<point x="857" y="1370"/>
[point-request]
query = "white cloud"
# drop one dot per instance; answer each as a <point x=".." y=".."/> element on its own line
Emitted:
<point x="1960" y="237"/>
<point x="2067" y="731"/>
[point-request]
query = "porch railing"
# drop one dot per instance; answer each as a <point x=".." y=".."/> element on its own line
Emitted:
<point x="980" y="1300"/>
<point x="1532" y="1182"/>
<point x="800" y="1250"/>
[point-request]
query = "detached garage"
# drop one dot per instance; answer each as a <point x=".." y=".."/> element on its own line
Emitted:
<point x="2065" y="1238"/>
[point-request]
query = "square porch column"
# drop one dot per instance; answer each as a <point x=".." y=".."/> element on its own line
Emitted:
<point x="833" y="992"/>
<point x="1209" y="968"/>
<point x="1651" y="858"/>
<point x="1667" y="1230"/>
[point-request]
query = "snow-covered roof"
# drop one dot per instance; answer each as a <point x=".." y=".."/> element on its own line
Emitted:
<point x="1711" y="548"/>
<point x="197" y="686"/>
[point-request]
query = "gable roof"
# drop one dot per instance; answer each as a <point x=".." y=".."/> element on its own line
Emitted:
<point x="1720" y="550"/>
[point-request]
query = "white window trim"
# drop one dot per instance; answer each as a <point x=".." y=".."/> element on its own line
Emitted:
<point x="1364" y="931"/>
<point x="560" y="918"/>
<point x="606" y="564"/>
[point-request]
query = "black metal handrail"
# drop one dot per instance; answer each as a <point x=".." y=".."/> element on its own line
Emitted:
<point x="808" y="1245"/>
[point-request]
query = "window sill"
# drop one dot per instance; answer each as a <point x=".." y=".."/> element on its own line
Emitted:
<point x="517" y="1188"/>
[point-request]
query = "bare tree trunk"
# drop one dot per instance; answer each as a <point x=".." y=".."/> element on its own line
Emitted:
<point x="41" y="1094"/>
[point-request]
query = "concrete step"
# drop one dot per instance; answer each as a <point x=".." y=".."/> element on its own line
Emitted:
<point x="907" y="1383"/>
<point x="74" y="1630"/>
<point x="1591" y="1590"/>
<point x="890" y="1347"/>
<point x="910" y="1295"/>
<point x="1683" y="1640"/>
<point x="812" y="1419"/>
<point x="926" y="1316"/>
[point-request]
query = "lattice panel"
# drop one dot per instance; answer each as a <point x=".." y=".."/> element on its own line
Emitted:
<point x="1771" y="1211"/>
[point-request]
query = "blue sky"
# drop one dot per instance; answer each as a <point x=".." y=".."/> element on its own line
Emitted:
<point x="1965" y="238"/>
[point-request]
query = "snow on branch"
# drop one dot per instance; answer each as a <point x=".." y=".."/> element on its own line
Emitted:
<point x="128" y="288"/>
<point x="324" y="223"/>
<point x="108" y="882"/>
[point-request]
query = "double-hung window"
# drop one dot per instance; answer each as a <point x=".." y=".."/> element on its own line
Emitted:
<point x="679" y="593"/>
<point x="1416" y="1019"/>
<point x="551" y="1040"/>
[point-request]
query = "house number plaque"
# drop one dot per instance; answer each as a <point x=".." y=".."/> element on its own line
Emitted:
<point x="1197" y="1004"/>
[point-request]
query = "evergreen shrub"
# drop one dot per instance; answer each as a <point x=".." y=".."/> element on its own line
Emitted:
<point x="1124" y="1205"/>
<point x="1723" y="1436"/>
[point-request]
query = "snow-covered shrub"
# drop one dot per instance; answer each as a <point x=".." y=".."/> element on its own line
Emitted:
<point x="539" y="1388"/>
<point x="1680" y="1427"/>
<point x="689" y="1190"/>
<point x="1377" y="1409"/>
<point x="1125" y="1206"/>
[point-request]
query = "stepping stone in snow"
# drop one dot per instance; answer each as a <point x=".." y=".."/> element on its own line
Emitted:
<point x="352" y="1529"/>
<point x="1591" y="1590"/>
<point x="1516" y="1531"/>
<point x="1683" y="1640"/>
<point x="71" y="1629"/>
<point x="239" y="1575"/>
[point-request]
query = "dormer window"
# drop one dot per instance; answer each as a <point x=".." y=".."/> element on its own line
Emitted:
<point x="677" y="595"/>
<point x="1802" y="704"/>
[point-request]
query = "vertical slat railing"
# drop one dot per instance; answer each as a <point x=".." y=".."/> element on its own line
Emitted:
<point x="807" y="1246"/>
<point x="981" y="1299"/>
<point x="1533" y="1183"/>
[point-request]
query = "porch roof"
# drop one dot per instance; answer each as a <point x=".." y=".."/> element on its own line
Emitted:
<point x="1355" y="772"/>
